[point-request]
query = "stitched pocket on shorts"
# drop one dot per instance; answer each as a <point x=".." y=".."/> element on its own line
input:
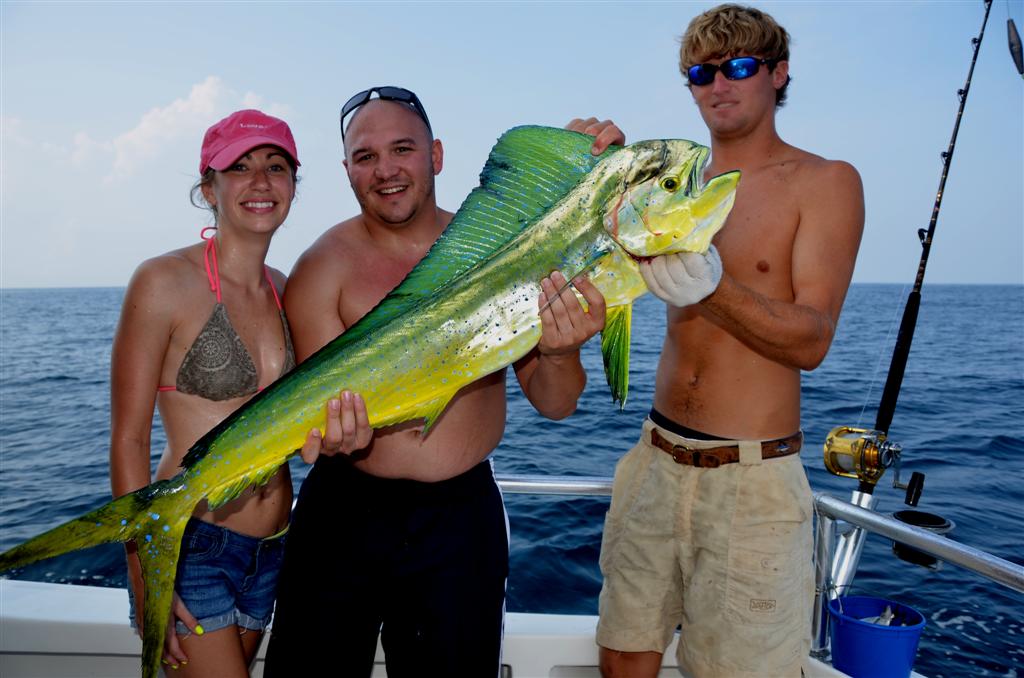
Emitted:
<point x="769" y="549"/>
<point x="203" y="547"/>
<point x="631" y="474"/>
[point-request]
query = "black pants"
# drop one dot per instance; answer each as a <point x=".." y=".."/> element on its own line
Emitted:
<point x="422" y="564"/>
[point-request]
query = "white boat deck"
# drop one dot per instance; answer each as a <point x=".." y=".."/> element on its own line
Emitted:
<point x="67" y="631"/>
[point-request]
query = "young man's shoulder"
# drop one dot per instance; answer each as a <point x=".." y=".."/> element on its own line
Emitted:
<point x="815" y="168"/>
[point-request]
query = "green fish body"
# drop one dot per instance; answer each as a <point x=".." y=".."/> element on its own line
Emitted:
<point x="468" y="309"/>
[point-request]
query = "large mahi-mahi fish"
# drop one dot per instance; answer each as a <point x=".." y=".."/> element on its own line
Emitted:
<point x="468" y="309"/>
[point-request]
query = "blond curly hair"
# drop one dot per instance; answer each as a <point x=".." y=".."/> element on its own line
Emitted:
<point x="734" y="30"/>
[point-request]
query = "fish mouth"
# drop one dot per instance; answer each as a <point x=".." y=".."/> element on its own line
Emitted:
<point x="640" y="259"/>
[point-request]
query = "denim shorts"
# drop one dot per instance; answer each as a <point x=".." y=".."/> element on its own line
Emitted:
<point x="225" y="578"/>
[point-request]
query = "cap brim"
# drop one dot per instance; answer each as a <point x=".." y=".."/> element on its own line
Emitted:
<point x="233" y="151"/>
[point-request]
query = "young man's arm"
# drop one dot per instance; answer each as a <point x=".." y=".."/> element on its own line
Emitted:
<point x="824" y="252"/>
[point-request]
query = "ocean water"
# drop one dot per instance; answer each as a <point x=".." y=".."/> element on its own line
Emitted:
<point x="960" y="420"/>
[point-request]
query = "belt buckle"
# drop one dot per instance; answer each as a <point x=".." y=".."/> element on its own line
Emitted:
<point x="684" y="455"/>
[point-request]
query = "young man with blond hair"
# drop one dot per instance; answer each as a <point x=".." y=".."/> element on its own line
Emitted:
<point x="710" y="522"/>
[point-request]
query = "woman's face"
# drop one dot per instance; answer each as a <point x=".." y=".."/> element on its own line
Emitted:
<point x="255" y="192"/>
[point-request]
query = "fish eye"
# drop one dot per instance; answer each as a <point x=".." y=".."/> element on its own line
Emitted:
<point x="670" y="184"/>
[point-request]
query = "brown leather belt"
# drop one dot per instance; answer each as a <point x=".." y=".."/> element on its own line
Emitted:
<point x="714" y="457"/>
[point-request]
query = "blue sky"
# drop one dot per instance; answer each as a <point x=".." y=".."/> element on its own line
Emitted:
<point x="104" y="106"/>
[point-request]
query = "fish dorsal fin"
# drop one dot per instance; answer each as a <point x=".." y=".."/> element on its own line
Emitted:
<point x="615" y="350"/>
<point x="529" y="169"/>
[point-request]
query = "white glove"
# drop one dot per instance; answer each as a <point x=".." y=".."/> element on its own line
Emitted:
<point x="685" y="278"/>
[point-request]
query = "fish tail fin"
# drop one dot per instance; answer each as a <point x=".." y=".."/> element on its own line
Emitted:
<point x="155" y="516"/>
<point x="615" y="350"/>
<point x="112" y="522"/>
<point x="159" y="545"/>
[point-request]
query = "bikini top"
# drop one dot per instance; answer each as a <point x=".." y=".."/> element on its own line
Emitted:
<point x="218" y="366"/>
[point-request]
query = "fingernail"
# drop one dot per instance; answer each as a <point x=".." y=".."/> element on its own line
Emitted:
<point x="184" y="663"/>
<point x="346" y="396"/>
<point x="174" y="666"/>
<point x="165" y="661"/>
<point x="315" y="433"/>
<point x="334" y="404"/>
<point x="199" y="632"/>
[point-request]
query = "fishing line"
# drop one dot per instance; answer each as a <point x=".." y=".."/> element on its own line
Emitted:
<point x="882" y="354"/>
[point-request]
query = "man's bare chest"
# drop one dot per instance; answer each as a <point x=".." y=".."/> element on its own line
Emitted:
<point x="366" y="282"/>
<point x="756" y="243"/>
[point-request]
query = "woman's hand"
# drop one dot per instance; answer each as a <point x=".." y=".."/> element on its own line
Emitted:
<point x="174" y="655"/>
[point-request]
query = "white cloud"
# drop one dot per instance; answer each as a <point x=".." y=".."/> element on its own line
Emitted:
<point x="253" y="100"/>
<point x="13" y="131"/>
<point x="161" y="128"/>
<point x="159" y="131"/>
<point x="87" y="149"/>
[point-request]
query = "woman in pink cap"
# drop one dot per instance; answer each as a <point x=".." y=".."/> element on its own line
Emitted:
<point x="201" y="331"/>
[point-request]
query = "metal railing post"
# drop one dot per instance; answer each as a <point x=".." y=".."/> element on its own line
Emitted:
<point x="824" y="591"/>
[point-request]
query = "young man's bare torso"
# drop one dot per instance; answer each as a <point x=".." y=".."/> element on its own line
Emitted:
<point x="709" y="378"/>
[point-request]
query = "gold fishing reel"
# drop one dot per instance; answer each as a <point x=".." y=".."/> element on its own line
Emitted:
<point x="860" y="453"/>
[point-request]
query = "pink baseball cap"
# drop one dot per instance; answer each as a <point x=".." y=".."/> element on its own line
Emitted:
<point x="240" y="132"/>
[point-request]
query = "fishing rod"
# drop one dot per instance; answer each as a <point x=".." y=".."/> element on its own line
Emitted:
<point x="866" y="453"/>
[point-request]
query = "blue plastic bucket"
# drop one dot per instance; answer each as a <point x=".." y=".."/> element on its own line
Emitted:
<point x="863" y="649"/>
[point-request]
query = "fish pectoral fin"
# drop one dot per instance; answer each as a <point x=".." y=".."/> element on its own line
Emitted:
<point x="158" y="552"/>
<point x="433" y="410"/>
<point x="615" y="350"/>
<point x="257" y="476"/>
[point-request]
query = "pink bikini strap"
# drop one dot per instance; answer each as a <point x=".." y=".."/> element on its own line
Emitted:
<point x="210" y="252"/>
<point x="277" y="299"/>
<point x="213" y="273"/>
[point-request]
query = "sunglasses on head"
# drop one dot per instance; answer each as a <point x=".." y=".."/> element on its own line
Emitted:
<point x="739" y="68"/>
<point x="399" y="94"/>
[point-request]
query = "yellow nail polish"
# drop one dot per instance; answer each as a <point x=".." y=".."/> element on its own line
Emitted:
<point x="165" y="661"/>
<point x="174" y="666"/>
<point x="199" y="630"/>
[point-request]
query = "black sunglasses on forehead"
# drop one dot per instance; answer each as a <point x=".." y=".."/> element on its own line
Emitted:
<point x="387" y="93"/>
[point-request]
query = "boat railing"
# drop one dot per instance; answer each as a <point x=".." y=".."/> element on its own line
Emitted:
<point x="593" y="486"/>
<point x="830" y="512"/>
<point x="828" y="565"/>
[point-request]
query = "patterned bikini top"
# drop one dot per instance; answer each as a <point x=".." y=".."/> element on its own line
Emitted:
<point x="218" y="366"/>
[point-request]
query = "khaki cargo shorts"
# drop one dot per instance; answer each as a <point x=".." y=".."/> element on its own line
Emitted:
<point x="724" y="553"/>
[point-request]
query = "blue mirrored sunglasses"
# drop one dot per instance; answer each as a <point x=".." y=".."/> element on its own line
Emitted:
<point x="387" y="93"/>
<point x="739" y="68"/>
